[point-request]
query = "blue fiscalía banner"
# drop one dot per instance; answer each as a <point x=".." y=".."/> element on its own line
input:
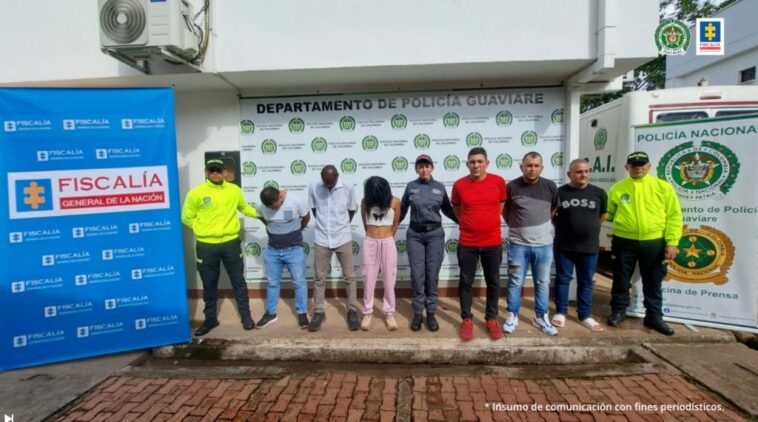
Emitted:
<point x="91" y="255"/>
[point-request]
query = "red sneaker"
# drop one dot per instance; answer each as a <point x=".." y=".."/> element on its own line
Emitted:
<point x="494" y="330"/>
<point x="466" y="331"/>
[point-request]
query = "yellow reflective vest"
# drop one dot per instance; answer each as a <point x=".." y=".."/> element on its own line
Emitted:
<point x="644" y="209"/>
<point x="210" y="210"/>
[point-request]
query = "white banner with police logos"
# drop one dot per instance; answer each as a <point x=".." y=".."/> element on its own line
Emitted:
<point x="91" y="257"/>
<point x="285" y="142"/>
<point x="712" y="280"/>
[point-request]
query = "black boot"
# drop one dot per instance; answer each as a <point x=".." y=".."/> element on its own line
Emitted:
<point x="431" y="322"/>
<point x="316" y="321"/>
<point x="418" y="319"/>
<point x="248" y="323"/>
<point x="353" y="323"/>
<point x="615" y="319"/>
<point x="206" y="328"/>
<point x="658" y="325"/>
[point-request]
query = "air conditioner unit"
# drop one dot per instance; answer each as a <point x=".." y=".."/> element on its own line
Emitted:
<point x="141" y="29"/>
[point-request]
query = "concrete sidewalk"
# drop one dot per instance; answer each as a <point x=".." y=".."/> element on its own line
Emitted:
<point x="703" y="366"/>
<point x="283" y="340"/>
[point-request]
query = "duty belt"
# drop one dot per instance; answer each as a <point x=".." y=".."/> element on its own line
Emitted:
<point x="423" y="228"/>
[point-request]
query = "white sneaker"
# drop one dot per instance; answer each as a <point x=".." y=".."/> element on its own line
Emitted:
<point x="366" y="322"/>
<point x="511" y="322"/>
<point x="391" y="322"/>
<point x="545" y="325"/>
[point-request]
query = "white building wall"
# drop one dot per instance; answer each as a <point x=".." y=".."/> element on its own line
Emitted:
<point x="293" y="34"/>
<point x="55" y="41"/>
<point x="741" y="51"/>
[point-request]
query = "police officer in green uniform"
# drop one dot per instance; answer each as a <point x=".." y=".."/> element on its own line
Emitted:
<point x="210" y="210"/>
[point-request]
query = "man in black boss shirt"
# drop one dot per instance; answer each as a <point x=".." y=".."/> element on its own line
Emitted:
<point x="577" y="233"/>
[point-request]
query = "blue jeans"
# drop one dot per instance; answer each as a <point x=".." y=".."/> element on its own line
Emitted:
<point x="585" y="264"/>
<point x="539" y="259"/>
<point x="275" y="260"/>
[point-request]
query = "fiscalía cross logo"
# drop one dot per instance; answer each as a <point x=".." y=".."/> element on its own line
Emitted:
<point x="348" y="165"/>
<point x="710" y="37"/>
<point x="399" y="121"/>
<point x="32" y="195"/>
<point x="296" y="125"/>
<point x="422" y="141"/>
<point x="247" y="127"/>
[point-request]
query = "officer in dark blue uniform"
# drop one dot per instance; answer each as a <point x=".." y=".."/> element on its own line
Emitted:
<point x="425" y="237"/>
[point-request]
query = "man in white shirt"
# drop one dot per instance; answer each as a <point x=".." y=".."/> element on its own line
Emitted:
<point x="333" y="204"/>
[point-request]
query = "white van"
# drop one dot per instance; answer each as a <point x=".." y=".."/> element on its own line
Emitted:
<point x="607" y="135"/>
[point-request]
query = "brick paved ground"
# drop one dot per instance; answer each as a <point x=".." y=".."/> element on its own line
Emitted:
<point x="354" y="397"/>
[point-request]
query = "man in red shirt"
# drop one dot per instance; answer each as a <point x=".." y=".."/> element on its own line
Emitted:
<point x="478" y="201"/>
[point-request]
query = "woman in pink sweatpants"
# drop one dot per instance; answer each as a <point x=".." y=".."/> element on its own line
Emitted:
<point x="380" y="212"/>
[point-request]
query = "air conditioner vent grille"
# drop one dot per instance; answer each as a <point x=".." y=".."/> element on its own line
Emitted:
<point x="123" y="21"/>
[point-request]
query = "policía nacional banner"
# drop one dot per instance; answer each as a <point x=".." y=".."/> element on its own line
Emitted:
<point x="710" y="163"/>
<point x="90" y="244"/>
<point x="286" y="142"/>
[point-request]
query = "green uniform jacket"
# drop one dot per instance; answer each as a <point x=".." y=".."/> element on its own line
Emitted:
<point x="210" y="210"/>
<point x="644" y="209"/>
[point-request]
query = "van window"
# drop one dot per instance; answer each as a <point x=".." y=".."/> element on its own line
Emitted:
<point x="681" y="115"/>
<point x="722" y="113"/>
